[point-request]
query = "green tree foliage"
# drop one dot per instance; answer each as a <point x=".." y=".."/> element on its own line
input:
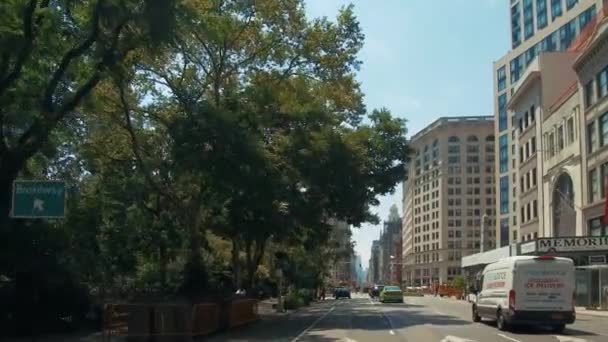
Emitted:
<point x="194" y="148"/>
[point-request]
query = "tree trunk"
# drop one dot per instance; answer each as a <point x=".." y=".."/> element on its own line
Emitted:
<point x="254" y="260"/>
<point x="162" y="267"/>
<point x="237" y="280"/>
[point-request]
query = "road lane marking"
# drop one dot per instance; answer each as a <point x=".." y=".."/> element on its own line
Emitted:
<point x="391" y="332"/>
<point x="508" y="338"/>
<point x="451" y="338"/>
<point x="569" y="339"/>
<point x="313" y="324"/>
<point x="346" y="339"/>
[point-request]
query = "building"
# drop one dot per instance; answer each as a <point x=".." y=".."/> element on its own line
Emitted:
<point x="450" y="194"/>
<point x="543" y="110"/>
<point x="373" y="272"/>
<point x="340" y="239"/>
<point x="560" y="131"/>
<point x="536" y="26"/>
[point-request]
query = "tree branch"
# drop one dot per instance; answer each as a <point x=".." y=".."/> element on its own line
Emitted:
<point x="135" y="143"/>
<point x="24" y="53"/>
<point x="77" y="51"/>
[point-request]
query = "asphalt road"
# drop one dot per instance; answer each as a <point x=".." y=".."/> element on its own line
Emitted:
<point x="419" y="319"/>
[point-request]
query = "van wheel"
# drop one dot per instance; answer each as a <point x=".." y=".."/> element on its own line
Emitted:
<point x="501" y="324"/>
<point x="558" y="328"/>
<point x="476" y="317"/>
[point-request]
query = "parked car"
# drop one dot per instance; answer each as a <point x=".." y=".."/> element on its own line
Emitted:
<point x="375" y="291"/>
<point x="391" y="294"/>
<point x="540" y="293"/>
<point x="341" y="292"/>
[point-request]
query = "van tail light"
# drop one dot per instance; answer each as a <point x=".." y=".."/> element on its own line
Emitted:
<point x="512" y="300"/>
<point x="545" y="257"/>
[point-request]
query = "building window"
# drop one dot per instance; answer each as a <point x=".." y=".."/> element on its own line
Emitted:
<point x="528" y="19"/>
<point x="503" y="143"/>
<point x="589" y="93"/>
<point x="454" y="149"/>
<point x="602" y="83"/>
<point x="556" y="8"/>
<point x="503" y="120"/>
<point x="541" y="14"/>
<point x="534" y="177"/>
<point x="504" y="232"/>
<point x="594" y="186"/>
<point x="586" y="17"/>
<point x="472" y="149"/>
<point x="570" y="4"/>
<point x="504" y="195"/>
<point x="531" y="54"/>
<point x="596" y="228"/>
<point x="551" y="144"/>
<point x="549" y="44"/>
<point x="472" y="159"/>
<point x="523" y="214"/>
<point x="515" y="26"/>
<point x="567" y="33"/>
<point x="516" y="65"/>
<point x="560" y="138"/>
<point x="528" y="181"/>
<point x="570" y="130"/>
<point x="533" y="145"/>
<point x="501" y="76"/>
<point x="591" y="137"/>
<point x="604" y="129"/>
<point x="472" y="138"/>
<point x="535" y="209"/>
<point x="453" y="159"/>
<point x="453" y="139"/>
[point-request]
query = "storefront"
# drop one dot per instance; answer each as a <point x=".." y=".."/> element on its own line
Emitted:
<point x="589" y="254"/>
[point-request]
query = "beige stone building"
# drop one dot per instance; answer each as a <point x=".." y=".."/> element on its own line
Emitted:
<point x="545" y="140"/>
<point x="592" y="71"/>
<point x="449" y="190"/>
<point x="536" y="26"/>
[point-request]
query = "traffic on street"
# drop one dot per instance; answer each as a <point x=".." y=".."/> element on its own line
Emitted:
<point x="428" y="319"/>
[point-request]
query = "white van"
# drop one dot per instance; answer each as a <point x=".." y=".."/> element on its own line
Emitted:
<point x="527" y="290"/>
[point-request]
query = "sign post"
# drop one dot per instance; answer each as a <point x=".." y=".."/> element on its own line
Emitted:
<point x="38" y="199"/>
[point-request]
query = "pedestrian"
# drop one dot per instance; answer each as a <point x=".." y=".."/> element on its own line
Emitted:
<point x="323" y="293"/>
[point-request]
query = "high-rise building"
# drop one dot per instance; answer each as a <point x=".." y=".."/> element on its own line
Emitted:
<point x="449" y="195"/>
<point x="537" y="26"/>
<point x="374" y="263"/>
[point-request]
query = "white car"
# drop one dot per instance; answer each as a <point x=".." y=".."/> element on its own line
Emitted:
<point x="527" y="290"/>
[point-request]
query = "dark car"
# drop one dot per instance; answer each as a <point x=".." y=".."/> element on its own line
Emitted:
<point x="376" y="290"/>
<point x="341" y="292"/>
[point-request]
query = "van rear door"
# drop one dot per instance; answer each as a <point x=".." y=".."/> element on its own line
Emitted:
<point x="544" y="284"/>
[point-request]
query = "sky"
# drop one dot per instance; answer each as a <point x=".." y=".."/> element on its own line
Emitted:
<point x="424" y="59"/>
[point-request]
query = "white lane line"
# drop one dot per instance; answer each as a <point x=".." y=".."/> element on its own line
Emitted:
<point x="313" y="324"/>
<point x="451" y="338"/>
<point x="569" y="339"/>
<point x="508" y="338"/>
<point x="440" y="313"/>
<point x="391" y="332"/>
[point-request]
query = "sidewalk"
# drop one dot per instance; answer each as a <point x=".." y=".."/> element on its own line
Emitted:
<point x="584" y="311"/>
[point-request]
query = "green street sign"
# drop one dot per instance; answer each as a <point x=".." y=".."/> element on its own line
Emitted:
<point x="38" y="199"/>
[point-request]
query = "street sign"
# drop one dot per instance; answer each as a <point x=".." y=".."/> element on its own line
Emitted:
<point x="38" y="199"/>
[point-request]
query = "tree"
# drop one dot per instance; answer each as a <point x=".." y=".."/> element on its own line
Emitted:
<point x="54" y="54"/>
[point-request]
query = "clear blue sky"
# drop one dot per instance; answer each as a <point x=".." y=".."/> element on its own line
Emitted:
<point x="424" y="59"/>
